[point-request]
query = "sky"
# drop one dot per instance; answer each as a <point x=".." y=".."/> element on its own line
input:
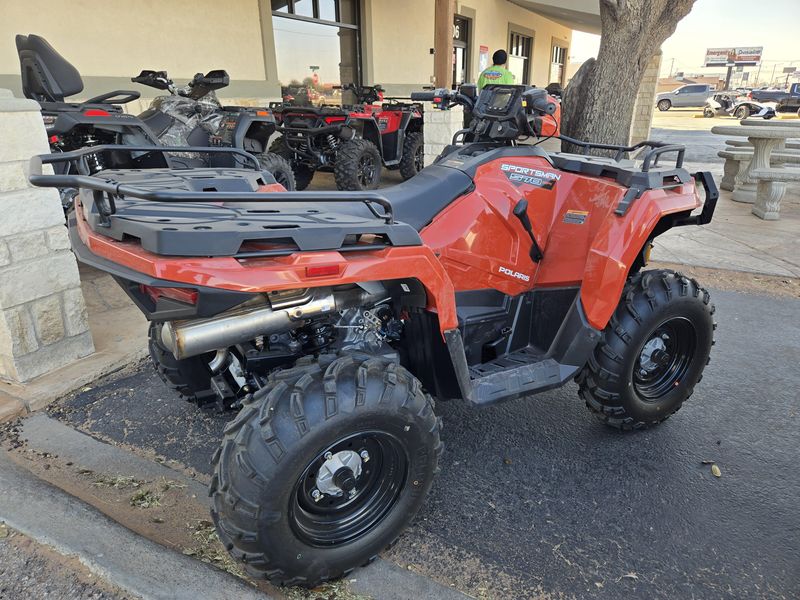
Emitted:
<point x="772" y="24"/>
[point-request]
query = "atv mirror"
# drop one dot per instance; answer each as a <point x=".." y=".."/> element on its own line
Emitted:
<point x="521" y="212"/>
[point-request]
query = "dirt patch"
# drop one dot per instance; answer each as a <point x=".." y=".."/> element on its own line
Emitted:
<point x="737" y="281"/>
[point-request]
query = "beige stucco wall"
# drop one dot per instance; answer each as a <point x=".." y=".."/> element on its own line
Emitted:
<point x="118" y="39"/>
<point x="396" y="43"/>
<point x="491" y="25"/>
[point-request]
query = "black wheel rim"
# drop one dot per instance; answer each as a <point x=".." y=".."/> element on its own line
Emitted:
<point x="366" y="170"/>
<point x="664" y="359"/>
<point x="419" y="158"/>
<point x="335" y="520"/>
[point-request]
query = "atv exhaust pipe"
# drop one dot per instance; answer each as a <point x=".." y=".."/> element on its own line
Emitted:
<point x="191" y="338"/>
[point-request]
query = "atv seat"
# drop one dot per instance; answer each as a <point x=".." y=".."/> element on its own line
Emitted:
<point x="49" y="77"/>
<point x="418" y="200"/>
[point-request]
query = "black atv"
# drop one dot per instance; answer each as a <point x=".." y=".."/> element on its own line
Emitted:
<point x="353" y="141"/>
<point x="49" y="78"/>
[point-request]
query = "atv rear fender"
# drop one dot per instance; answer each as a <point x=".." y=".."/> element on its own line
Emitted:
<point x="622" y="239"/>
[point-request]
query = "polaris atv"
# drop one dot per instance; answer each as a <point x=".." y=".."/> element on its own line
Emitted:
<point x="48" y="78"/>
<point x="330" y="320"/>
<point x="352" y="141"/>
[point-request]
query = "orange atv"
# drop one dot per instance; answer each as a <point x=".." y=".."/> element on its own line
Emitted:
<point x="330" y="320"/>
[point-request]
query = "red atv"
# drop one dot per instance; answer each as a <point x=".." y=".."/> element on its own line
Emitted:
<point x="329" y="320"/>
<point x="352" y="141"/>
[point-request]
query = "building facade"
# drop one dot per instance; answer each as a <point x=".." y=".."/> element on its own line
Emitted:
<point x="272" y="48"/>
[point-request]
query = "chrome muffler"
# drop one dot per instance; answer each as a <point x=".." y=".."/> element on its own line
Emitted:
<point x="191" y="338"/>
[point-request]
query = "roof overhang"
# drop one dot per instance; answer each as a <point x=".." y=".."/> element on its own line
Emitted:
<point x="582" y="15"/>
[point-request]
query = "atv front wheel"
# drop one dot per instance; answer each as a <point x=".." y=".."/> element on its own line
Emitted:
<point x="708" y="113"/>
<point x="324" y="468"/>
<point x="280" y="169"/>
<point x="303" y="174"/>
<point x="358" y="166"/>
<point x="413" y="159"/>
<point x="653" y="351"/>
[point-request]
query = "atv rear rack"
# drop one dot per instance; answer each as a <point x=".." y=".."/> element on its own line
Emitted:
<point x="219" y="212"/>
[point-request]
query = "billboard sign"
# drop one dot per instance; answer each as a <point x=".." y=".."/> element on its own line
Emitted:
<point x="743" y="56"/>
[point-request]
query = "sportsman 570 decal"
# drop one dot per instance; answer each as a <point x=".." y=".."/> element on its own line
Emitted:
<point x="536" y="177"/>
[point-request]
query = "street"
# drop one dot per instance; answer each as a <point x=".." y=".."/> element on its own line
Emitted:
<point x="536" y="499"/>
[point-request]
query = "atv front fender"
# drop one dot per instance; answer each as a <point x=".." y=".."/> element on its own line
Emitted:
<point x="621" y="239"/>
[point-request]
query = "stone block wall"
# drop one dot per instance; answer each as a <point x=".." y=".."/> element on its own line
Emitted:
<point x="43" y="323"/>
<point x="440" y="126"/>
<point x="645" y="101"/>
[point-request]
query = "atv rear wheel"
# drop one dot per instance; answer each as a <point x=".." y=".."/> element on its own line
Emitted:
<point x="653" y="351"/>
<point x="280" y="169"/>
<point x="303" y="174"/>
<point x="708" y="113"/>
<point x="324" y="468"/>
<point x="413" y="159"/>
<point x="190" y="377"/>
<point x="358" y="166"/>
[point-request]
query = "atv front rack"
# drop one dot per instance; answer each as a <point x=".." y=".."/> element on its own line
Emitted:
<point x="220" y="212"/>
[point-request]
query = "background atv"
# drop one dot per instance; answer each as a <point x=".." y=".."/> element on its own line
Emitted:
<point x="194" y="116"/>
<point x="352" y="141"/>
<point x="328" y="318"/>
<point x="188" y="117"/>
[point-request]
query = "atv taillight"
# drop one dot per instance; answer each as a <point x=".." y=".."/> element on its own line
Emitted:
<point x="53" y="139"/>
<point x="330" y="120"/>
<point x="96" y="112"/>
<point x="186" y="295"/>
<point x="322" y="271"/>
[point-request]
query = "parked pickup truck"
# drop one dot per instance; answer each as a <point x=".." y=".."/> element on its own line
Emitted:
<point x="686" y="95"/>
<point x="791" y="101"/>
<point x="765" y="95"/>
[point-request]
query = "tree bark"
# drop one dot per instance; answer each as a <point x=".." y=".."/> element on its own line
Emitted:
<point x="600" y="99"/>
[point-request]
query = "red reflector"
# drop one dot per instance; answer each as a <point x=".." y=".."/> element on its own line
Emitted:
<point x="437" y="99"/>
<point x="330" y="120"/>
<point x="322" y="271"/>
<point x="53" y="139"/>
<point x="96" y="112"/>
<point x="186" y="295"/>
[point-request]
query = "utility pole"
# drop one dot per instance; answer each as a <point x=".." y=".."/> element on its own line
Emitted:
<point x="771" y="79"/>
<point x="671" y="67"/>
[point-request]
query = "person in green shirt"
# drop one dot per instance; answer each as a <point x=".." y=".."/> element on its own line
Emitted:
<point x="497" y="73"/>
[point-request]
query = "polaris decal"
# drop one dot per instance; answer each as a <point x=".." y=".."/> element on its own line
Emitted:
<point x="515" y="274"/>
<point x="519" y="175"/>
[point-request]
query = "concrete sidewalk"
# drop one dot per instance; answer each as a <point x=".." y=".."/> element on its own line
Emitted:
<point x="133" y="563"/>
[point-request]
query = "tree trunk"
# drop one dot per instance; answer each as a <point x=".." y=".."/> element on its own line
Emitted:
<point x="600" y="99"/>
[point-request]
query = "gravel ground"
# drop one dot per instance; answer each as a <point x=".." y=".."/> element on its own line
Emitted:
<point x="29" y="570"/>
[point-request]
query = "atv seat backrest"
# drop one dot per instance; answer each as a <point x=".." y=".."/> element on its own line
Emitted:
<point x="46" y="75"/>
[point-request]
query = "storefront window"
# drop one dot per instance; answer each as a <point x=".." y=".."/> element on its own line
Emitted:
<point x="313" y="53"/>
<point x="519" y="57"/>
<point x="460" y="50"/>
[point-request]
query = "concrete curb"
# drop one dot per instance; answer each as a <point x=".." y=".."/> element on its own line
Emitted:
<point x="133" y="563"/>
<point x="381" y="579"/>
